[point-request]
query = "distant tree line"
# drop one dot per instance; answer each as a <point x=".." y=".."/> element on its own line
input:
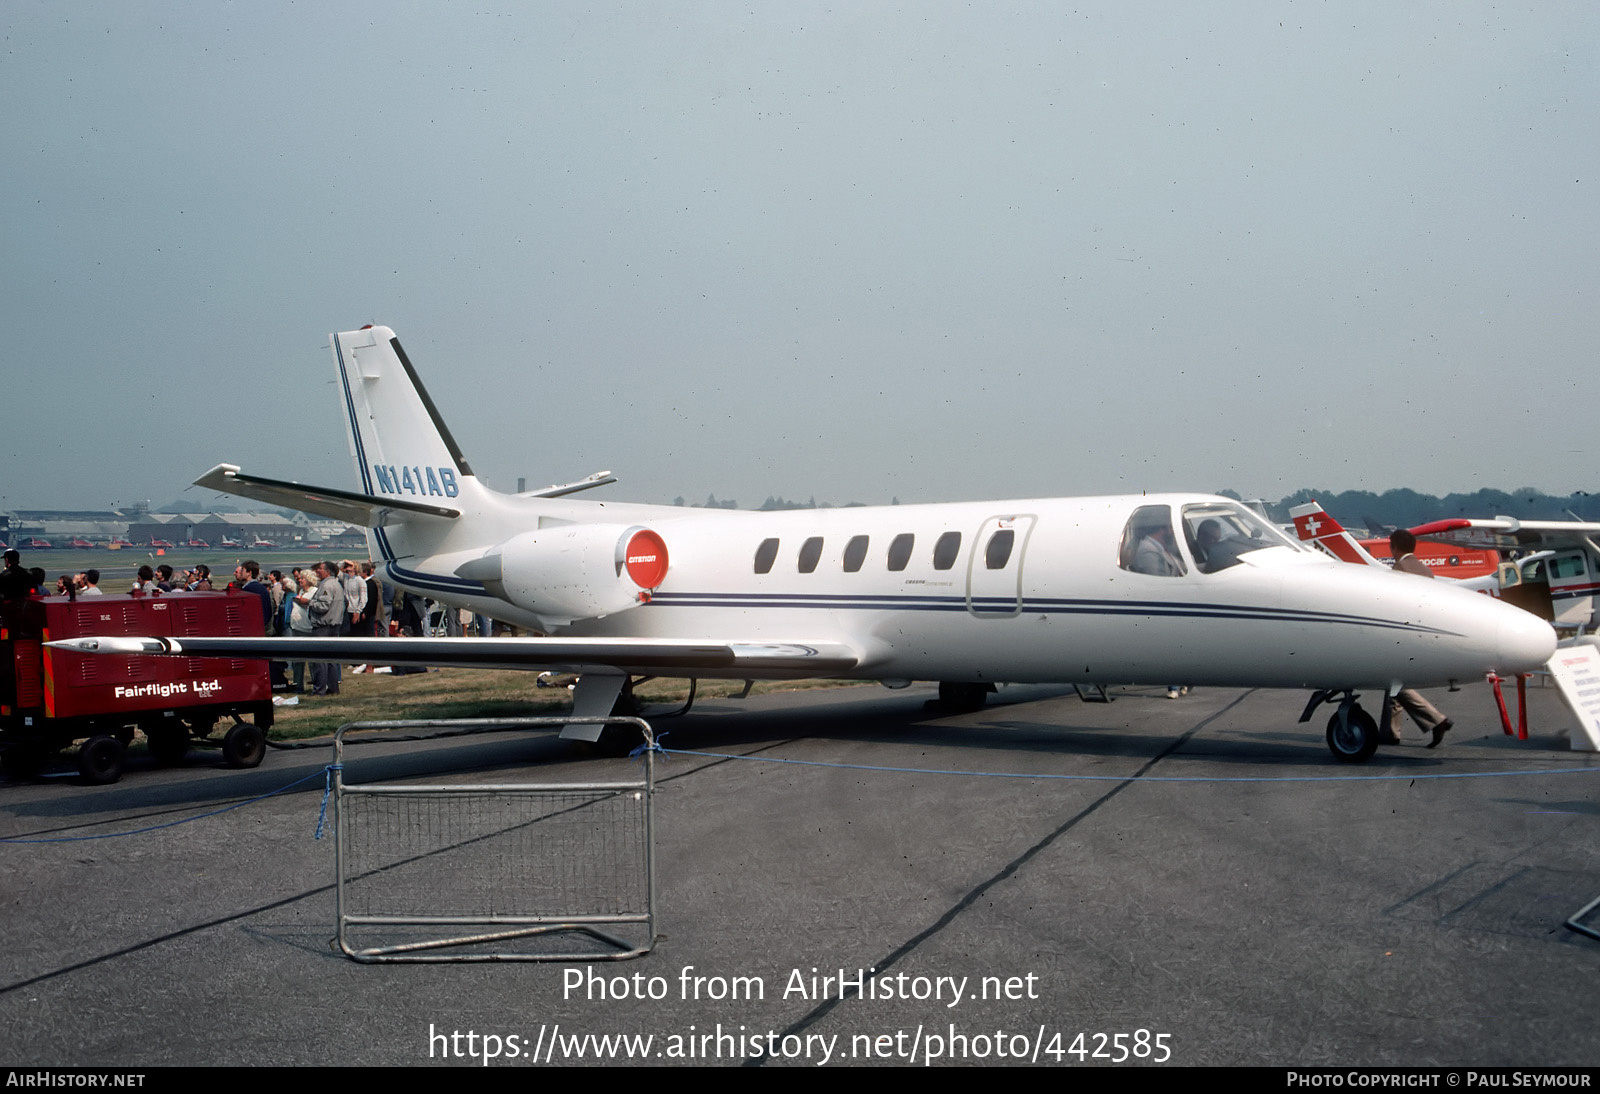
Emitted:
<point x="773" y="503"/>
<point x="1407" y="508"/>
<point x="1352" y="508"/>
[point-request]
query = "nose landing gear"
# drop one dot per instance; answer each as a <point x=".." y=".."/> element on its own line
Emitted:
<point x="1352" y="732"/>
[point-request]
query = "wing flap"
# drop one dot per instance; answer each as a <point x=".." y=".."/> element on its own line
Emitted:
<point x="641" y="656"/>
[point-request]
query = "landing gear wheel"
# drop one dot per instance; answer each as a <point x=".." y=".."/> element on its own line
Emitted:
<point x="100" y="760"/>
<point x="1352" y="735"/>
<point x="168" y="744"/>
<point x="963" y="697"/>
<point x="244" y="745"/>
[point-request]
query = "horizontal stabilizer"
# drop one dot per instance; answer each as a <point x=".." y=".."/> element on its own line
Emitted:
<point x="642" y="656"/>
<point x="359" y="509"/>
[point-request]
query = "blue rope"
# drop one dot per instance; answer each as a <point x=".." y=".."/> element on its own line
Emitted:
<point x="639" y="750"/>
<point x="170" y="824"/>
<point x="327" y="789"/>
<point x="1142" y="778"/>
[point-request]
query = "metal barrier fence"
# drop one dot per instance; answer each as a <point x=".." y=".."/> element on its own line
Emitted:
<point x="450" y="871"/>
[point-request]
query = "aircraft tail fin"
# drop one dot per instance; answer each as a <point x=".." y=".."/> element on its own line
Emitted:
<point x="1317" y="527"/>
<point x="402" y="448"/>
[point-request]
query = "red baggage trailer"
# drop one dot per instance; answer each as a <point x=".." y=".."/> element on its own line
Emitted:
<point x="50" y="698"/>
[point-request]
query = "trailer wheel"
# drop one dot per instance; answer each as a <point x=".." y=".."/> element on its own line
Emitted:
<point x="100" y="760"/>
<point x="244" y="745"/>
<point x="168" y="744"/>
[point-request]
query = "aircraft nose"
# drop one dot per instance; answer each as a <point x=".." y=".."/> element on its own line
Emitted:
<point x="1525" y="641"/>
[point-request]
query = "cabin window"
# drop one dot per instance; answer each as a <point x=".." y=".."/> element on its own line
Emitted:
<point x="900" y="550"/>
<point x="810" y="552"/>
<point x="766" y="555"/>
<point x="1148" y="546"/>
<point x="998" y="552"/>
<point x="945" y="550"/>
<point x="1565" y="566"/>
<point x="855" y="553"/>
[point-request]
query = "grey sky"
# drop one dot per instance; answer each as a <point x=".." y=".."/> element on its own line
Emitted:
<point x="935" y="251"/>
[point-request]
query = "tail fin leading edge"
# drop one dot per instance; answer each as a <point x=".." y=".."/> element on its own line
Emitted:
<point x="1317" y="527"/>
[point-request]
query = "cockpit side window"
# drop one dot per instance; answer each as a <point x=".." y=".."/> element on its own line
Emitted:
<point x="1148" y="546"/>
<point x="1220" y="533"/>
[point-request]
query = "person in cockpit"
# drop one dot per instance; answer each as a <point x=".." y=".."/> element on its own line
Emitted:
<point x="1217" y="551"/>
<point x="1157" y="552"/>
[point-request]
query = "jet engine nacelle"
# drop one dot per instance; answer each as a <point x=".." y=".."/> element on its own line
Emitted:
<point x="575" y="571"/>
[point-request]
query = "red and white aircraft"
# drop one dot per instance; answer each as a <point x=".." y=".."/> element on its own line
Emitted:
<point x="1091" y="590"/>
<point x="1558" y="579"/>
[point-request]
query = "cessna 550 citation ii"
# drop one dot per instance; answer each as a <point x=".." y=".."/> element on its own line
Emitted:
<point x="1140" y="589"/>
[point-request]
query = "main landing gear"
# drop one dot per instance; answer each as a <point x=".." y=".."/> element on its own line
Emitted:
<point x="1352" y="732"/>
<point x="955" y="695"/>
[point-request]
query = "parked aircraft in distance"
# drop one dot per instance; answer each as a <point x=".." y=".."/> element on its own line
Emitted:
<point x="1556" y="579"/>
<point x="1158" y="589"/>
<point x="1313" y="525"/>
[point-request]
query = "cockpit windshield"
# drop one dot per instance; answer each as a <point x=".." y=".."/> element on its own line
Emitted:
<point x="1219" y="533"/>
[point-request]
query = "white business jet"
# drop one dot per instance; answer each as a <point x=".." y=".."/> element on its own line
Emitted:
<point x="1093" y="591"/>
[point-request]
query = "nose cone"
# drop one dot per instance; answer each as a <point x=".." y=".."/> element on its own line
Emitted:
<point x="1525" y="642"/>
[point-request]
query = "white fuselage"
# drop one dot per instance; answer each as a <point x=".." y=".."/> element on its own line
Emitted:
<point x="1059" y="609"/>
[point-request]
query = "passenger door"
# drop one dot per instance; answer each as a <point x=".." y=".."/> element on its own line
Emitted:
<point x="994" y="568"/>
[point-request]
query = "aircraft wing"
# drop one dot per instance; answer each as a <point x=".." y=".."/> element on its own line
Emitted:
<point x="1508" y="533"/>
<point x="639" y="656"/>
<point x="362" y="510"/>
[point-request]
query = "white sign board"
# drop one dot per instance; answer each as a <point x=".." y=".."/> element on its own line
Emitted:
<point x="1577" y="674"/>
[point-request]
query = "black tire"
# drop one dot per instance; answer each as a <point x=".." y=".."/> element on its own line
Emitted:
<point x="963" y="697"/>
<point x="1353" y="741"/>
<point x="168" y="744"/>
<point x="244" y="745"/>
<point x="101" y="759"/>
